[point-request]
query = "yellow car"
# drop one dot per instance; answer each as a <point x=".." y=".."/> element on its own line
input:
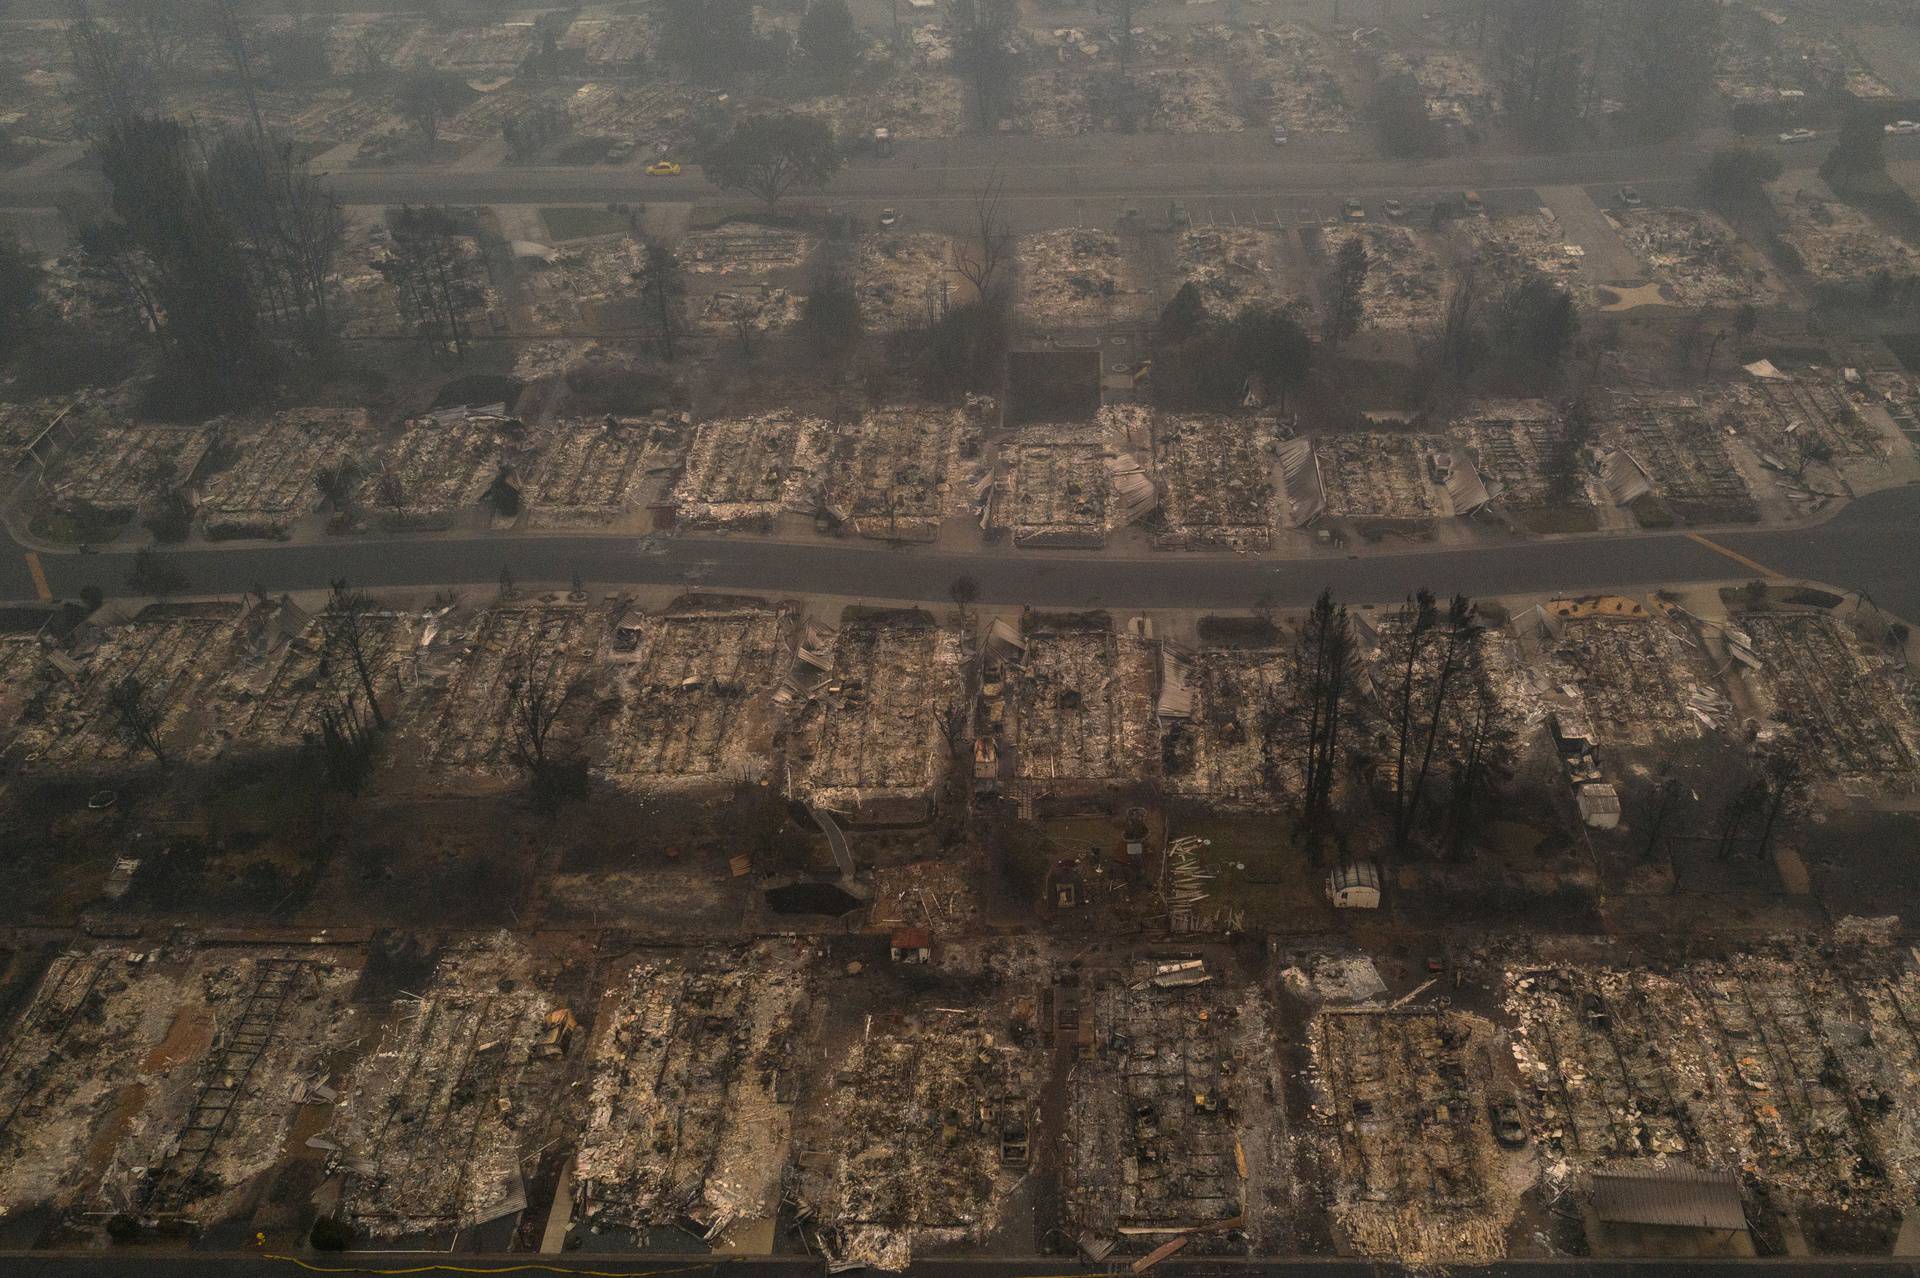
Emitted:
<point x="664" y="168"/>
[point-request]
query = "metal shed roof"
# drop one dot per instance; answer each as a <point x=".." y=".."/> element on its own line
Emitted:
<point x="1678" y="1195"/>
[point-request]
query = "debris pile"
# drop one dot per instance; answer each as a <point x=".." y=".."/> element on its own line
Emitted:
<point x="1232" y="266"/>
<point x="1377" y="475"/>
<point x="1404" y="290"/>
<point x="170" y="652"/>
<point x="591" y="471"/>
<point x="1054" y="489"/>
<point x="694" y="692"/>
<point x="1405" y="1094"/>
<point x="1641" y="678"/>
<point x="743" y="248"/>
<point x="1159" y="1113"/>
<point x="1079" y="706"/>
<point x="440" y="465"/>
<point x="1843" y="703"/>
<point x="749" y="469"/>
<point x="687" y="1114"/>
<point x="1216" y="476"/>
<point x="1684" y="457"/>
<point x="1291" y="74"/>
<point x="430" y="1128"/>
<point x="913" y="1140"/>
<point x="1230" y="740"/>
<point x="1695" y="257"/>
<point x="903" y="279"/>
<point x="890" y="472"/>
<point x="271" y="482"/>
<point x="1456" y="89"/>
<point x="1793" y="1065"/>
<point x="507" y="649"/>
<point x="1073" y="278"/>
<point x="112" y="468"/>
<point x="872" y="738"/>
<point x="1515" y="446"/>
<point x="1840" y="247"/>
<point x="1510" y="249"/>
<point x="247" y="1045"/>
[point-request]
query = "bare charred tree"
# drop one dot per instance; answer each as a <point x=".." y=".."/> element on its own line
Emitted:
<point x="346" y="743"/>
<point x="1783" y="791"/>
<point x="1346" y="298"/>
<point x="424" y="264"/>
<point x="236" y="41"/>
<point x="982" y="30"/>
<point x="664" y="288"/>
<point x="1413" y="626"/>
<point x="1459" y="333"/>
<point x="983" y="255"/>
<point x="536" y="699"/>
<point x="535" y="704"/>
<point x="336" y="484"/>
<point x="137" y="717"/>
<point x="1664" y="800"/>
<point x="291" y="227"/>
<point x="348" y="625"/>
<point x="964" y="590"/>
<point x="1326" y="663"/>
<point x="1485" y="761"/>
<point x="1458" y="643"/>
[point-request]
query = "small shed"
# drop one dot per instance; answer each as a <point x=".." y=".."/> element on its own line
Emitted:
<point x="1678" y="1209"/>
<point x="1355" y="886"/>
<point x="911" y="945"/>
<point x="1599" y="805"/>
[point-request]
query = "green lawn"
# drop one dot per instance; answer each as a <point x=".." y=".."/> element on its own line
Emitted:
<point x="581" y="221"/>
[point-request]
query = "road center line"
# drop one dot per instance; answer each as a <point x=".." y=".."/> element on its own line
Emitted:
<point x="39" y="575"/>
<point x="1734" y="555"/>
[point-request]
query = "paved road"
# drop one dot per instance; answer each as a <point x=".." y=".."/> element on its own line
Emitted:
<point x="1869" y="546"/>
<point x="950" y="170"/>
<point x="163" y="1265"/>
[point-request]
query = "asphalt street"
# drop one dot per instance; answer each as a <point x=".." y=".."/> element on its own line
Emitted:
<point x="254" y="1265"/>
<point x="951" y="170"/>
<point x="1869" y="547"/>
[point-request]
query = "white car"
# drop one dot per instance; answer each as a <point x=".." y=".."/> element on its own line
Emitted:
<point x="1798" y="135"/>
<point x="1904" y="126"/>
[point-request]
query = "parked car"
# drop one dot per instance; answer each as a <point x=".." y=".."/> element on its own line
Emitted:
<point x="1630" y="197"/>
<point x="1508" y="1127"/>
<point x="1798" y="135"/>
<point x="1354" y="211"/>
<point x="1280" y="137"/>
<point x="619" y="153"/>
<point x="1394" y="209"/>
<point x="889" y="217"/>
<point x="1472" y="202"/>
<point x="664" y="168"/>
<point x="1904" y="126"/>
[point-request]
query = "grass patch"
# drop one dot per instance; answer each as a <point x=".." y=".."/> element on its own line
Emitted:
<point x="581" y="221"/>
<point x="1560" y="519"/>
<point x="73" y="528"/>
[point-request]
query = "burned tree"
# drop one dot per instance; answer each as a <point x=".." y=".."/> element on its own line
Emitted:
<point x="425" y="265"/>
<point x="663" y="288"/>
<point x="137" y="717"/>
<point x="1484" y="763"/>
<point x="1346" y="300"/>
<point x="990" y="247"/>
<point x="345" y="742"/>
<point x="1325" y="665"/>
<point x="347" y="624"/>
<point x="769" y="155"/>
<point x="964" y="591"/>
<point x="1440" y="657"/>
<point x="535" y="701"/>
